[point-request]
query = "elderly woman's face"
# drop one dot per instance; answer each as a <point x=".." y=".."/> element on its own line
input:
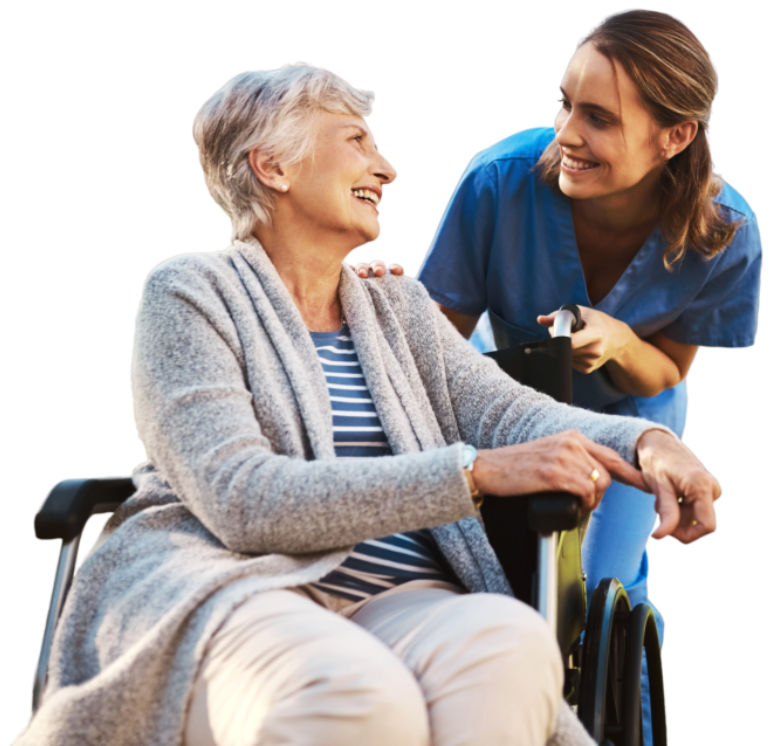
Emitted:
<point x="338" y="187"/>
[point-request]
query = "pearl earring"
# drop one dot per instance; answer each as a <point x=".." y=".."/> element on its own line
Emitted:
<point x="284" y="187"/>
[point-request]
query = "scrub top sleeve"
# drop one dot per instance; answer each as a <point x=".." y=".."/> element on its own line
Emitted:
<point x="455" y="269"/>
<point x="725" y="311"/>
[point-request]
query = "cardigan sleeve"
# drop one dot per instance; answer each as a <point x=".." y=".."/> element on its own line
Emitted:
<point x="196" y="418"/>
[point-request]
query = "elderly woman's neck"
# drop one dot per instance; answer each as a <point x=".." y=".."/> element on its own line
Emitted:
<point x="312" y="277"/>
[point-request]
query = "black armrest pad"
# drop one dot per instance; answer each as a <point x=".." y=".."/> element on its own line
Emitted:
<point x="72" y="502"/>
<point x="553" y="511"/>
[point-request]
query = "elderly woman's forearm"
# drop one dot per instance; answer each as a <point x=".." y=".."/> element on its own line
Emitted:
<point x="258" y="502"/>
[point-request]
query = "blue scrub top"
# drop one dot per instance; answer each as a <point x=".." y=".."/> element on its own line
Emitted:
<point x="506" y="244"/>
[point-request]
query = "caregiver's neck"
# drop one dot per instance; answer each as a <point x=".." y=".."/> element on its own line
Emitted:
<point x="309" y="264"/>
<point x="634" y="208"/>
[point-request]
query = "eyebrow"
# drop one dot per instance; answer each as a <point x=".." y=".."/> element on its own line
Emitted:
<point x="364" y="132"/>
<point x="592" y="107"/>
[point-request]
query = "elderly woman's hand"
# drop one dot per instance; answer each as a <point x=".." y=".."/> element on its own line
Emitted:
<point x="565" y="462"/>
<point x="377" y="268"/>
<point x="684" y="489"/>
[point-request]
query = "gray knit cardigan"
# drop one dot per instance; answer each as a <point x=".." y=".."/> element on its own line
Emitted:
<point x="242" y="491"/>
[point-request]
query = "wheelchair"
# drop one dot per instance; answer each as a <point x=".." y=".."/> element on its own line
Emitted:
<point x="538" y="543"/>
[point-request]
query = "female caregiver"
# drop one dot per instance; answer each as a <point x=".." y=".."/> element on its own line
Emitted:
<point x="624" y="216"/>
<point x="618" y="211"/>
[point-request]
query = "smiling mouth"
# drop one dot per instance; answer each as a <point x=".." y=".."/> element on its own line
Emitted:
<point x="577" y="164"/>
<point x="367" y="195"/>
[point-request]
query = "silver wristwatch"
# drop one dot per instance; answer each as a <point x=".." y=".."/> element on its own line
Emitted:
<point x="469" y="456"/>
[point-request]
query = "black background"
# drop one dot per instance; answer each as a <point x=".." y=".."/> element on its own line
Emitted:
<point x="129" y="193"/>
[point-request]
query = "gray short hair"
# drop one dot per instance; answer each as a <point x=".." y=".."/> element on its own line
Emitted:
<point x="272" y="111"/>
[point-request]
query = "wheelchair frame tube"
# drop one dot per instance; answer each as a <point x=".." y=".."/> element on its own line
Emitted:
<point x="547" y="580"/>
<point x="65" y="570"/>
<point x="563" y="323"/>
<point x="547" y="575"/>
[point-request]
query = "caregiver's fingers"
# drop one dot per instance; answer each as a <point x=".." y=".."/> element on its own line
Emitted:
<point x="696" y="521"/>
<point x="616" y="465"/>
<point x="716" y="487"/>
<point x="687" y="517"/>
<point x="698" y="516"/>
<point x="586" y="336"/>
<point x="373" y="269"/>
<point x="668" y="510"/>
<point x="377" y="268"/>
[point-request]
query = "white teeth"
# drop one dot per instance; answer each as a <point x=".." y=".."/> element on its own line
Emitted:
<point x="370" y="196"/>
<point x="577" y="165"/>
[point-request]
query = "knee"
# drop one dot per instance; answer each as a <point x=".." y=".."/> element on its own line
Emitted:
<point x="373" y="700"/>
<point x="514" y="641"/>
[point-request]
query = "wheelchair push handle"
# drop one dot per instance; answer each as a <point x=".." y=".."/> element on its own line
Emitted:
<point x="567" y="320"/>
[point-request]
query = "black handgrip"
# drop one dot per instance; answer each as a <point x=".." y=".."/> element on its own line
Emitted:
<point x="70" y="504"/>
<point x="553" y="511"/>
<point x="578" y="325"/>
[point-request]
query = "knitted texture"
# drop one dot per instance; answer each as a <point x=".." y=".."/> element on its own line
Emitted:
<point x="242" y="483"/>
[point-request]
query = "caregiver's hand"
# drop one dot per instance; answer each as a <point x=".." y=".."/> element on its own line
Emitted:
<point x="378" y="269"/>
<point x="603" y="338"/>
<point x="671" y="471"/>
<point x="559" y="463"/>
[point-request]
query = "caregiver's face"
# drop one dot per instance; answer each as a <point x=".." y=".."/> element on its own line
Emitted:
<point x="609" y="142"/>
<point x="340" y="184"/>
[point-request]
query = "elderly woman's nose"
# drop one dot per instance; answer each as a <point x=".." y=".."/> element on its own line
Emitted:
<point x="384" y="170"/>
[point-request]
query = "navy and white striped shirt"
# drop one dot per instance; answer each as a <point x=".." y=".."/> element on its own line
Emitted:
<point x="377" y="564"/>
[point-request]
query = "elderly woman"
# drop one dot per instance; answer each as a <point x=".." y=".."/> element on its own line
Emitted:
<point x="303" y="561"/>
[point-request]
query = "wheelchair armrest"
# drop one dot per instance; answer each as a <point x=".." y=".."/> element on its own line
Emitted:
<point x="70" y="504"/>
<point x="553" y="511"/>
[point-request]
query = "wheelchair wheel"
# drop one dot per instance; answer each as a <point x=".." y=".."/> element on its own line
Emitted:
<point x="642" y="636"/>
<point x="612" y="663"/>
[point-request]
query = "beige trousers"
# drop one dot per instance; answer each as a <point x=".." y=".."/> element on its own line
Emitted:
<point x="422" y="664"/>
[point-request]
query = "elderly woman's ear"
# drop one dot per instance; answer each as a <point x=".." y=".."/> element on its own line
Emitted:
<point x="267" y="171"/>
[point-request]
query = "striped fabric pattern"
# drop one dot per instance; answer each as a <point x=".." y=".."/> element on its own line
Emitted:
<point x="377" y="564"/>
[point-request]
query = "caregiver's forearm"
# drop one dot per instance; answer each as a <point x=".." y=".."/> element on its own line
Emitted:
<point x="462" y="321"/>
<point x="641" y="369"/>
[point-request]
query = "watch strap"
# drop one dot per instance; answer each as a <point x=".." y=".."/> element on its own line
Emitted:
<point x="477" y="496"/>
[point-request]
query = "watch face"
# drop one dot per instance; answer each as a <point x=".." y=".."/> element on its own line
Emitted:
<point x="470" y="454"/>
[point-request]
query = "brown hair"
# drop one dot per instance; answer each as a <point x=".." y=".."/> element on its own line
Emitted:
<point x="676" y="81"/>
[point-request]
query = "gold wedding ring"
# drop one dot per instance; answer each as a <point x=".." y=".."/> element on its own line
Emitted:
<point x="594" y="474"/>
